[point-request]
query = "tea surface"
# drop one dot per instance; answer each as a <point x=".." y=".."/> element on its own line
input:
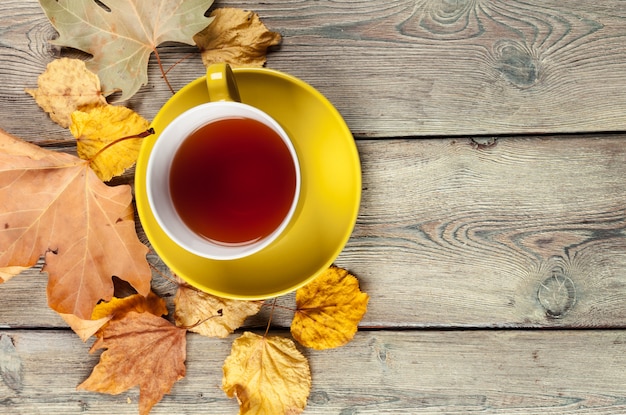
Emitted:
<point x="233" y="181"/>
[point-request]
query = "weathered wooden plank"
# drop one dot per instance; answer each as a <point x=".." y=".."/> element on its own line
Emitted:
<point x="522" y="233"/>
<point x="402" y="68"/>
<point x="416" y="372"/>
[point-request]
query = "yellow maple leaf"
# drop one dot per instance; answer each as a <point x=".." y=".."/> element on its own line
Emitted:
<point x="218" y="317"/>
<point x="105" y="126"/>
<point x="65" y="86"/>
<point x="268" y="375"/>
<point x="6" y="273"/>
<point x="237" y="37"/>
<point x="328" y="310"/>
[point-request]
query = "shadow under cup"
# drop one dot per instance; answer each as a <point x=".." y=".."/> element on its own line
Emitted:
<point x="223" y="180"/>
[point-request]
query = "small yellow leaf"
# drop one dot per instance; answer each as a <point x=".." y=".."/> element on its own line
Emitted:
<point x="218" y="316"/>
<point x="268" y="375"/>
<point x="84" y="328"/>
<point x="115" y="309"/>
<point x="7" y="273"/>
<point x="99" y="127"/>
<point x="237" y="37"/>
<point x="328" y="310"/>
<point x="65" y="86"/>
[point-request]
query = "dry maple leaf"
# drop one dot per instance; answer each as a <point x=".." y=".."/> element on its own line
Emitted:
<point x="65" y="86"/>
<point x="115" y="309"/>
<point x="237" y="37"/>
<point x="52" y="204"/>
<point x="121" y="34"/>
<point x="141" y="349"/>
<point x="99" y="127"/>
<point x="7" y="273"/>
<point x="328" y="310"/>
<point x="268" y="375"/>
<point x="218" y="317"/>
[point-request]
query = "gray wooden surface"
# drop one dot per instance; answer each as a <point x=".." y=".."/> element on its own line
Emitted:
<point x="494" y="208"/>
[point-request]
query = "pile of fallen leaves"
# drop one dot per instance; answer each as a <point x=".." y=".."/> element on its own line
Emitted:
<point x="58" y="206"/>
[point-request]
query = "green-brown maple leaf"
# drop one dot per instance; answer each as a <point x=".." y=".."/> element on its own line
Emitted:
<point x="121" y="34"/>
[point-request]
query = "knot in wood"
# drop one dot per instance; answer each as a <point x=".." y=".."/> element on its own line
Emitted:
<point x="557" y="294"/>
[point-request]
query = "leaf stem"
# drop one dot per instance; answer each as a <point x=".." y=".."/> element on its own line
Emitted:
<point x="269" y="321"/>
<point x="163" y="73"/>
<point x="220" y="313"/>
<point x="144" y="134"/>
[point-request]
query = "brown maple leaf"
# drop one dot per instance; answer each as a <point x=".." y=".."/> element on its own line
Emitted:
<point x="141" y="349"/>
<point x="122" y="34"/>
<point x="52" y="204"/>
<point x="328" y="310"/>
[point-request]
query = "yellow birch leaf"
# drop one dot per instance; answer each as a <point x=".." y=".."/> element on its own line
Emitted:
<point x="328" y="310"/>
<point x="218" y="316"/>
<point x="237" y="37"/>
<point x="65" y="86"/>
<point x="268" y="375"/>
<point x="99" y="127"/>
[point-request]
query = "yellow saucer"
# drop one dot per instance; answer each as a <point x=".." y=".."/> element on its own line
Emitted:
<point x="329" y="203"/>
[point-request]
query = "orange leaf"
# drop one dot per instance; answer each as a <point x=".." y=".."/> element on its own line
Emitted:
<point x="237" y="37"/>
<point x="141" y="349"/>
<point x="52" y="204"/>
<point x="268" y="375"/>
<point x="328" y="310"/>
<point x="218" y="316"/>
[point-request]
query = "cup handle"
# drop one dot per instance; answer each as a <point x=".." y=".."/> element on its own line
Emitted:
<point x="221" y="83"/>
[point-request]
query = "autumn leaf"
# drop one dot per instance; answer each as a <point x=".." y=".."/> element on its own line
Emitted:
<point x="52" y="204"/>
<point x="97" y="128"/>
<point x="122" y="34"/>
<point x="328" y="310"/>
<point x="115" y="309"/>
<point x="218" y="316"/>
<point x="141" y="350"/>
<point x="268" y="375"/>
<point x="65" y="86"/>
<point x="7" y="273"/>
<point x="237" y="37"/>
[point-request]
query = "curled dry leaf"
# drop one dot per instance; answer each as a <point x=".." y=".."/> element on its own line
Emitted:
<point x="106" y="126"/>
<point x="237" y="37"/>
<point x="54" y="205"/>
<point x="268" y="375"/>
<point x="141" y="349"/>
<point x="328" y="310"/>
<point x="122" y="34"/>
<point x="65" y="86"/>
<point x="218" y="317"/>
<point x="115" y="309"/>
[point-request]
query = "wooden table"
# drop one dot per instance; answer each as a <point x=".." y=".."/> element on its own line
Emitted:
<point x="492" y="231"/>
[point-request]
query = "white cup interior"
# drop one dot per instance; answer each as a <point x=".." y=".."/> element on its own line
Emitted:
<point x="158" y="181"/>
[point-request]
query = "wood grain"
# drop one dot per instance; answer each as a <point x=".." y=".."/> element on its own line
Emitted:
<point x="453" y="372"/>
<point x="402" y="68"/>
<point x="523" y="233"/>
